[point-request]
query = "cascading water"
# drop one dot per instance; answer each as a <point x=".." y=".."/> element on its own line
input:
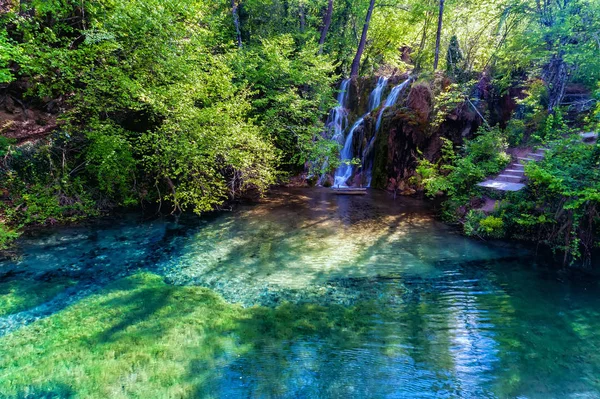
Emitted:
<point x="337" y="120"/>
<point x="391" y="100"/>
<point x="344" y="171"/>
<point x="375" y="97"/>
<point x="368" y="152"/>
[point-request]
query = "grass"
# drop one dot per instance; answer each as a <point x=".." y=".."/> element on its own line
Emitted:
<point x="142" y="338"/>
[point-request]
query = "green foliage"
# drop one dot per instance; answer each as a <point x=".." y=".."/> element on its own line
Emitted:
<point x="292" y="90"/>
<point x="447" y="101"/>
<point x="7" y="236"/>
<point x="454" y="58"/>
<point x="457" y="175"/>
<point x="109" y="157"/>
<point x="477" y="223"/>
<point x="8" y="52"/>
<point x="40" y="204"/>
<point x="565" y="196"/>
<point x="552" y="127"/>
<point x="6" y="146"/>
<point x="515" y="132"/>
<point x="492" y="226"/>
<point x="593" y="118"/>
<point x="154" y="106"/>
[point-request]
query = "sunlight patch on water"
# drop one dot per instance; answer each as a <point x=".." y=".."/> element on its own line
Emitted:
<point x="306" y="241"/>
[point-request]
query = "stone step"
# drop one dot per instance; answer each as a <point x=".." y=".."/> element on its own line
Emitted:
<point x="523" y="159"/>
<point x="518" y="166"/>
<point x="519" y="172"/>
<point x="538" y="156"/>
<point x="501" y="185"/>
<point x="589" y="137"/>
<point x="510" y="178"/>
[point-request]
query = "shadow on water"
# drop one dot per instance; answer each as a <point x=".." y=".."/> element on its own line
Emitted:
<point x="136" y="308"/>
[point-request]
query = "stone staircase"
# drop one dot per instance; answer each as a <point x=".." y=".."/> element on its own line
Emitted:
<point x="513" y="177"/>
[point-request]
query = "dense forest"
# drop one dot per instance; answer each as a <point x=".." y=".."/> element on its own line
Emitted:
<point x="188" y="104"/>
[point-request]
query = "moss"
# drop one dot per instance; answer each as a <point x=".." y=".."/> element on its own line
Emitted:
<point x="380" y="173"/>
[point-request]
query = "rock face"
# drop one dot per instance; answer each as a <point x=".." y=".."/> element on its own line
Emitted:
<point x="404" y="133"/>
<point x="25" y="124"/>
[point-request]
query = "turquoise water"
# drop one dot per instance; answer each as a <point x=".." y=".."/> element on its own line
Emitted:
<point x="448" y="316"/>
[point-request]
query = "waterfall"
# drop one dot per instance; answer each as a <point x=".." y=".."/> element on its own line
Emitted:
<point x="337" y="120"/>
<point x="375" y="97"/>
<point x="391" y="100"/>
<point x="368" y="152"/>
<point x="344" y="171"/>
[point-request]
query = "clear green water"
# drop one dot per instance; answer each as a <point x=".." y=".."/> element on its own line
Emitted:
<point x="359" y="297"/>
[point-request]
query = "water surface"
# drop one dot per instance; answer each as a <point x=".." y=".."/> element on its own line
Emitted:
<point x="346" y="297"/>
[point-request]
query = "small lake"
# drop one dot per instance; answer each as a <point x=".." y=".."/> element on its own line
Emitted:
<point x="304" y="295"/>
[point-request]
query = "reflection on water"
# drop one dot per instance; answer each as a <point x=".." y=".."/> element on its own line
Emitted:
<point x="440" y="315"/>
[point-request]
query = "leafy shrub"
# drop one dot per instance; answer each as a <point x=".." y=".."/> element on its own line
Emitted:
<point x="492" y="226"/>
<point x="457" y="175"/>
<point x="564" y="197"/>
<point x="515" y="132"/>
<point x="40" y="204"/>
<point x="477" y="223"/>
<point x="7" y="235"/>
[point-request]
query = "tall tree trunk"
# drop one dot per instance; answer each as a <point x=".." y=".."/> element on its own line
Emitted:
<point x="302" y="12"/>
<point x="419" y="57"/>
<point x="363" y="41"/>
<point x="236" y="22"/>
<point x="326" y="25"/>
<point x="438" y="36"/>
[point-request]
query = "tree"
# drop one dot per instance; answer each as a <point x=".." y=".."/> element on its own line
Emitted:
<point x="438" y="36"/>
<point x="236" y="22"/>
<point x="363" y="41"/>
<point x="454" y="57"/>
<point x="326" y="25"/>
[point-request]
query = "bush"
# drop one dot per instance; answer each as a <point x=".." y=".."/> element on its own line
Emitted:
<point x="477" y="223"/>
<point x="515" y="132"/>
<point x="457" y="175"/>
<point x="7" y="236"/>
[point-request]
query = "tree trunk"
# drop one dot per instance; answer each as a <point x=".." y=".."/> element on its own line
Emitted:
<point x="363" y="41"/>
<point x="302" y="17"/>
<point x="419" y="57"/>
<point x="236" y="22"/>
<point x="438" y="36"/>
<point x="556" y="76"/>
<point x="326" y="25"/>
